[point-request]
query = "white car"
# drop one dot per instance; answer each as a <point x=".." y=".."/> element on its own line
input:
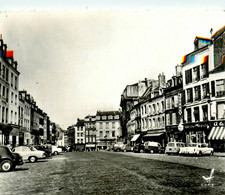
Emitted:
<point x="29" y="153"/>
<point x="56" y="150"/>
<point x="196" y="149"/>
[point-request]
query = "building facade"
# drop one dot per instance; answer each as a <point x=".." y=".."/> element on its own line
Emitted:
<point x="79" y="135"/>
<point x="108" y="128"/>
<point x="90" y="133"/>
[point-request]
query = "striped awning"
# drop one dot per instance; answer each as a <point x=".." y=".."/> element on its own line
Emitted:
<point x="135" y="137"/>
<point x="217" y="133"/>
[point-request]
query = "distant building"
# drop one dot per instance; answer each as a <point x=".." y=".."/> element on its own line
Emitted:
<point x="80" y="135"/>
<point x="108" y="128"/>
<point x="24" y="118"/>
<point x="90" y="132"/>
<point x="174" y="100"/>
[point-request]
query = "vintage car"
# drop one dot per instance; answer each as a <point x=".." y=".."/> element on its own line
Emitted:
<point x="56" y="150"/>
<point x="139" y="148"/>
<point x="198" y="149"/>
<point x="119" y="146"/>
<point x="174" y="147"/>
<point x="153" y="147"/>
<point x="127" y="148"/>
<point x="29" y="153"/>
<point x="8" y="159"/>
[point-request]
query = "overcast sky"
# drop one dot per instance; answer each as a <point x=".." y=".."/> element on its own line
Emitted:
<point x="77" y="60"/>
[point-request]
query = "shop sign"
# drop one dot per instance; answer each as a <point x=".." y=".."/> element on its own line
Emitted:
<point x="219" y="124"/>
<point x="179" y="104"/>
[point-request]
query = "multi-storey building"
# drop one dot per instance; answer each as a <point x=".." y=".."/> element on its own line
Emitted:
<point x="174" y="107"/>
<point x="195" y="70"/>
<point x="129" y="98"/>
<point x="90" y="132"/>
<point x="9" y="81"/>
<point x="24" y="118"/>
<point x="216" y="105"/>
<point x="71" y="135"/>
<point x="108" y="128"/>
<point x="79" y="135"/>
<point x="147" y="117"/>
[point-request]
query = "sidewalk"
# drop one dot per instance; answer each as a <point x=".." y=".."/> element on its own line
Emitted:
<point x="221" y="154"/>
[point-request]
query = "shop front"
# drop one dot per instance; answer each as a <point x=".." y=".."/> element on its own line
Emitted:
<point x="174" y="134"/>
<point x="156" y="136"/>
<point x="90" y="147"/>
<point x="197" y="132"/>
<point x="216" y="136"/>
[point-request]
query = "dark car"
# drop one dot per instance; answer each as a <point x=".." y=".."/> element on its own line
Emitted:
<point x="48" y="153"/>
<point x="8" y="159"/>
<point x="139" y="148"/>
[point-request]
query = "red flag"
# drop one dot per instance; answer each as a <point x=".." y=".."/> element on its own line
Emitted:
<point x="9" y="54"/>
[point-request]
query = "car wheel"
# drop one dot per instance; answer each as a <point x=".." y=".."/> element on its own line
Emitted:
<point x="6" y="165"/>
<point x="141" y="151"/>
<point x="55" y="153"/>
<point x="151" y="151"/>
<point x="32" y="159"/>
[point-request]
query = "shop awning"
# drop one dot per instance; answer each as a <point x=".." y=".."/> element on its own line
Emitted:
<point x="217" y="133"/>
<point x="153" y="135"/>
<point x="135" y="137"/>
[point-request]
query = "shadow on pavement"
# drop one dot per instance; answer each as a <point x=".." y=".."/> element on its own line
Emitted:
<point x="21" y="169"/>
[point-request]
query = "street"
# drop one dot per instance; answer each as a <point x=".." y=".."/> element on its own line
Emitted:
<point x="114" y="173"/>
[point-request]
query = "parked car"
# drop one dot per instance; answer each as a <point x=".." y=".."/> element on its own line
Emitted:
<point x="196" y="149"/>
<point x="29" y="153"/>
<point x="64" y="149"/>
<point x="174" y="147"/>
<point x="153" y="147"/>
<point x="139" y="148"/>
<point x="56" y="150"/>
<point x="8" y="159"/>
<point x="127" y="148"/>
<point x="47" y="151"/>
<point x="119" y="146"/>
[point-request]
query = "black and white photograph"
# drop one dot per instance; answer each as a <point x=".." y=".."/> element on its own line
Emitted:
<point x="112" y="97"/>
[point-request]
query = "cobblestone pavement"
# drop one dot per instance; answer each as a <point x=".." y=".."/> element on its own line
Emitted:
<point x="112" y="173"/>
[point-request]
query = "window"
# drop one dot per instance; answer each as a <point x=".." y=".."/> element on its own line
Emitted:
<point x="107" y="125"/>
<point x="12" y="96"/>
<point x="220" y="87"/>
<point x="205" y="90"/>
<point x="11" y="116"/>
<point x="172" y="102"/>
<point x="196" y="73"/>
<point x="78" y="134"/>
<point x="189" y="115"/>
<point x="11" y="79"/>
<point x="205" y="112"/>
<point x="100" y="134"/>
<point x="167" y="119"/>
<point x="197" y="93"/>
<point x="221" y="110"/>
<point x="7" y="74"/>
<point x="188" y="76"/>
<point x="113" y="134"/>
<point x="100" y="125"/>
<point x="196" y="114"/>
<point x="113" y="125"/>
<point x="204" y="70"/>
<point x="7" y="94"/>
<point x="3" y="114"/>
<point x="189" y="95"/>
<point x="16" y="83"/>
<point x="3" y="91"/>
<point x="168" y="103"/>
<point x="174" y="119"/>
<point x="213" y="88"/>
<point x="107" y="133"/>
